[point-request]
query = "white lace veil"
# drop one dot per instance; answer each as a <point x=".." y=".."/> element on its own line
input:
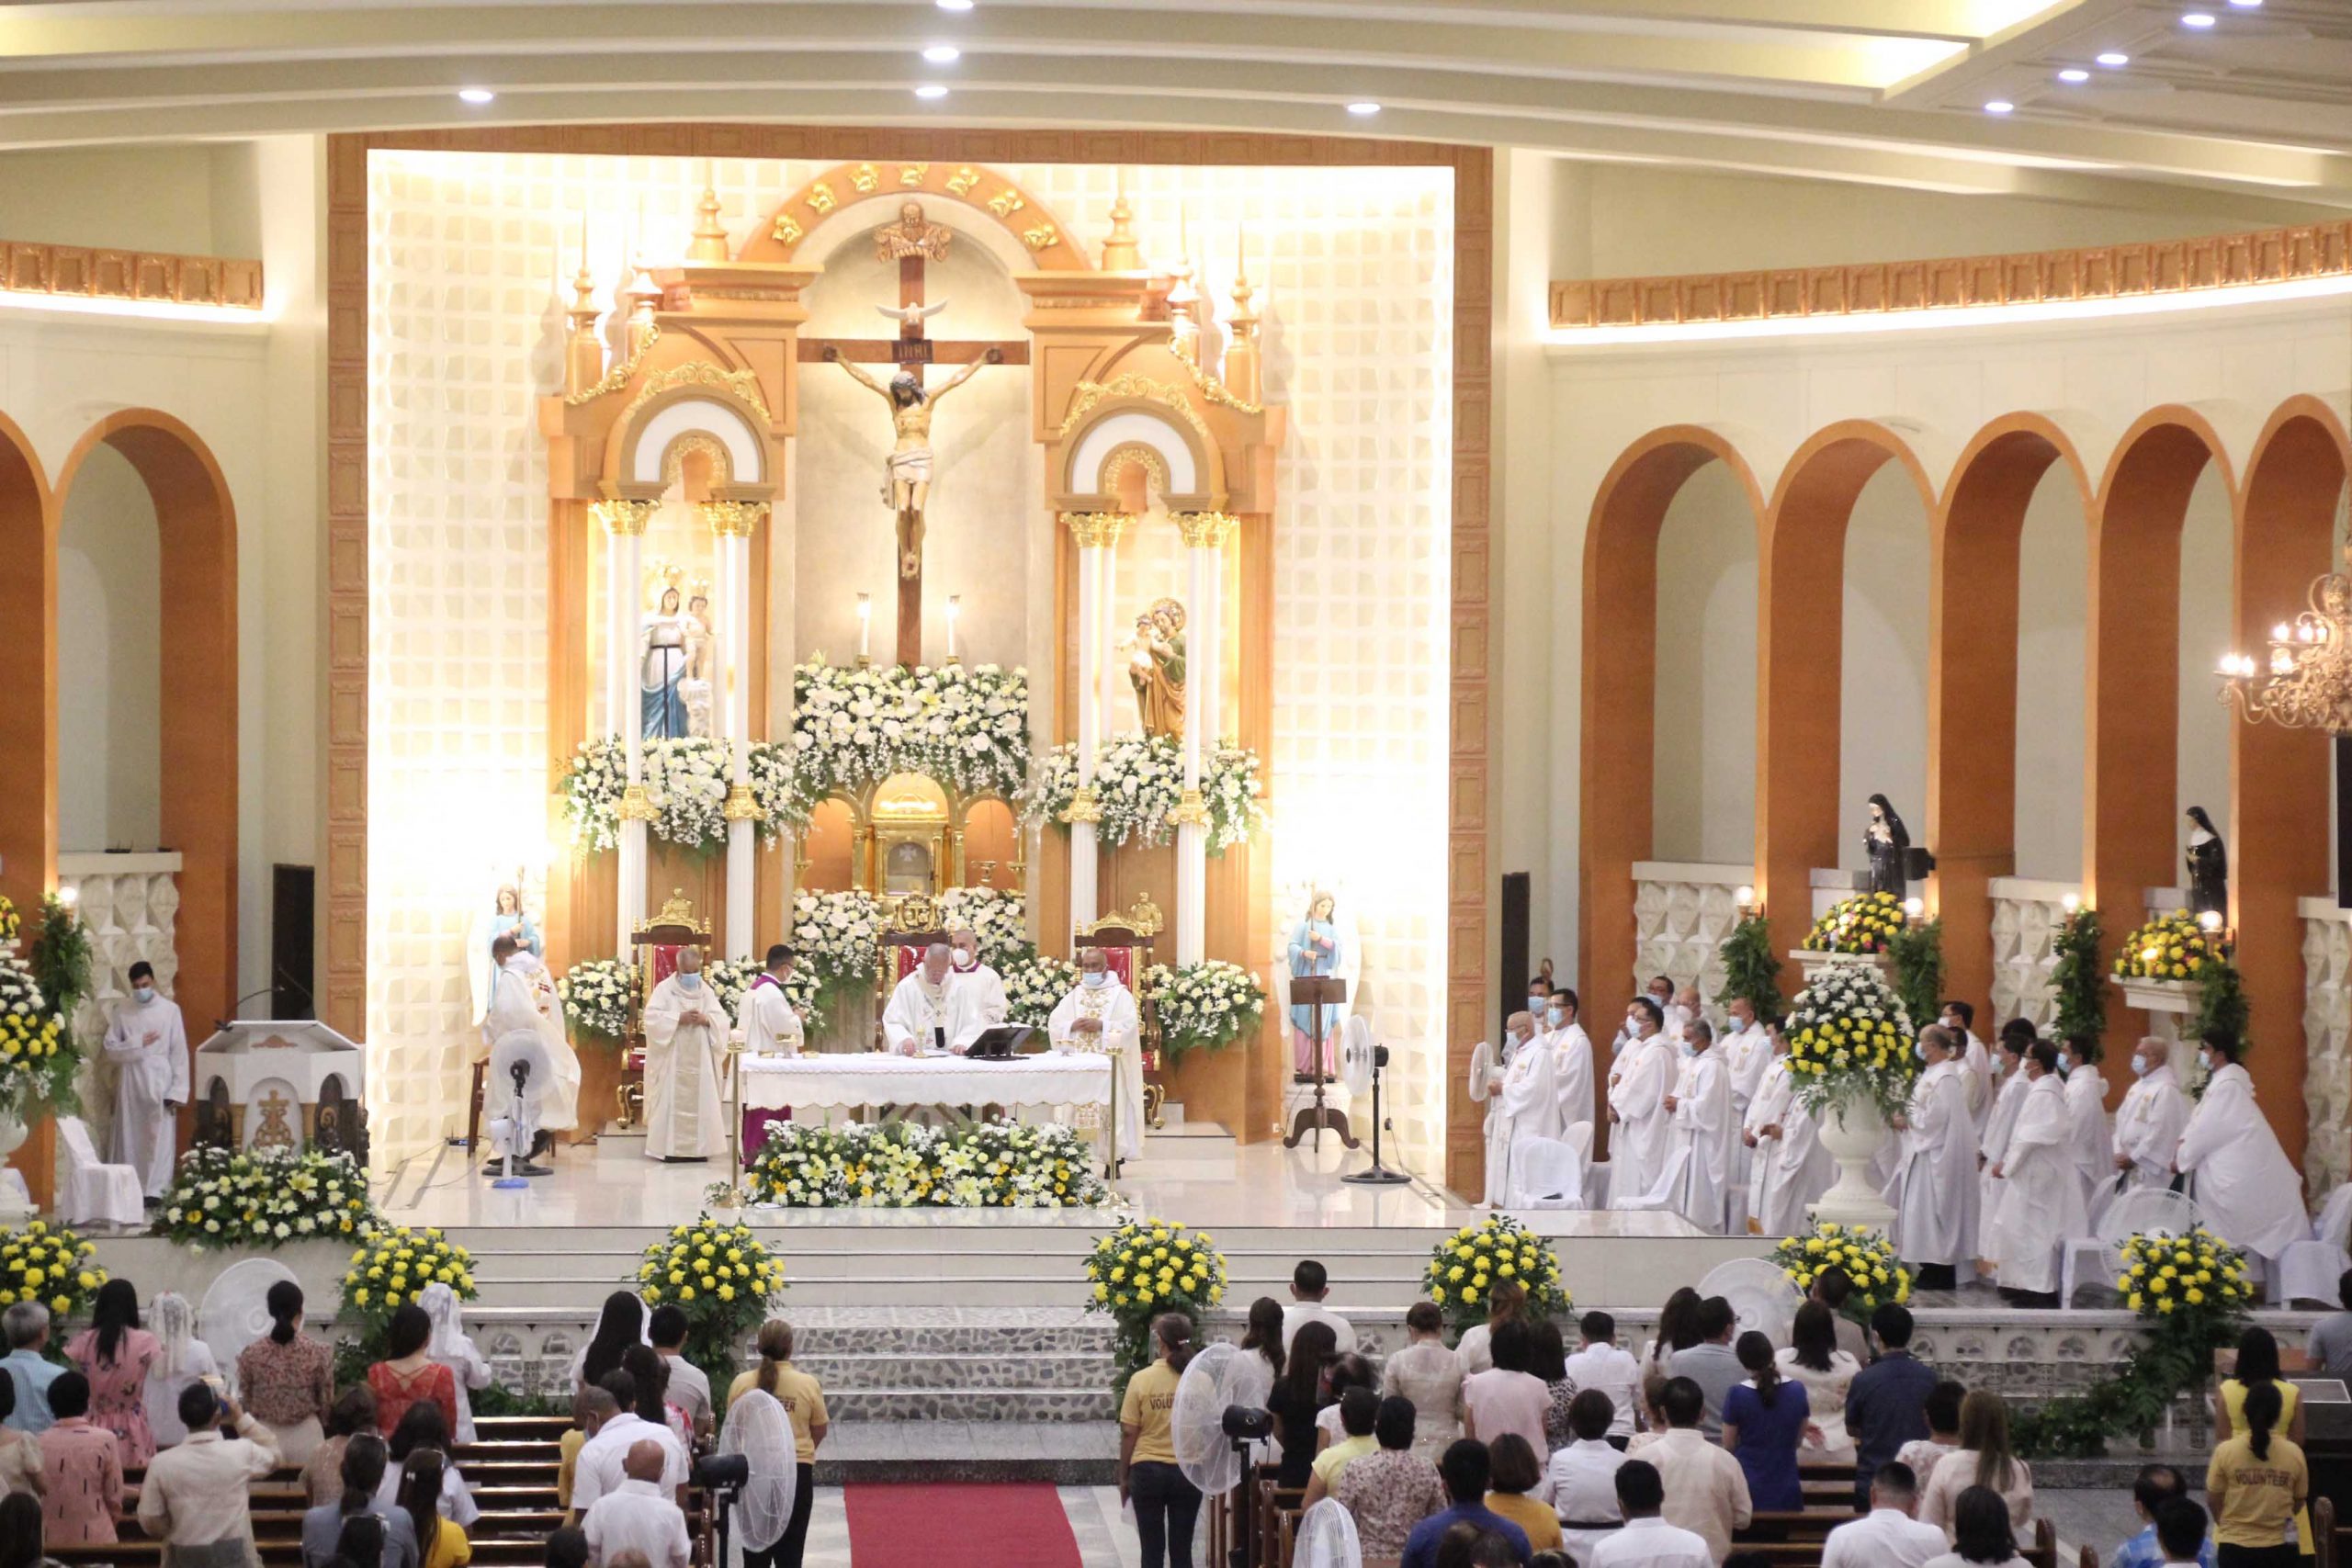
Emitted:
<point x="758" y="1428"/>
<point x="440" y="1305"/>
<point x="173" y="1322"/>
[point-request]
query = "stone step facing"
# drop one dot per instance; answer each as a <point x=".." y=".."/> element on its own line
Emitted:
<point x="974" y="1404"/>
<point x="1061" y="1453"/>
<point x="999" y="1369"/>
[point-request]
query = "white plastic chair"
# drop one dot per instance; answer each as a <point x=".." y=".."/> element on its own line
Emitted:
<point x="1665" y="1191"/>
<point x="95" y="1190"/>
<point x="1552" y="1171"/>
<point x="2133" y="1212"/>
<point x="2311" y="1271"/>
<point x="1579" y="1137"/>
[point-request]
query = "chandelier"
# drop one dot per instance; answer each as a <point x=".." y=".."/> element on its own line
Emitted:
<point x="2306" y="683"/>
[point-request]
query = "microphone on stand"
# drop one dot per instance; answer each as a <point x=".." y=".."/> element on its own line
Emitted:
<point x="280" y="974"/>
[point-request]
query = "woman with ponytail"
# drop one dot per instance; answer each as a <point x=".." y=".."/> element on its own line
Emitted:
<point x="1166" y="1503"/>
<point x="804" y="1404"/>
<point x="1764" y="1420"/>
<point x="286" y="1378"/>
<point x="2256" y="1486"/>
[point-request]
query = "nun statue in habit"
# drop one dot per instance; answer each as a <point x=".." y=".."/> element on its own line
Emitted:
<point x="2208" y="866"/>
<point x="1886" y="841"/>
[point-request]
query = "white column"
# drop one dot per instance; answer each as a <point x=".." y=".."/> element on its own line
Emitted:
<point x="1088" y="530"/>
<point x="625" y="522"/>
<point x="1192" y="826"/>
<point x="731" y="527"/>
<point x="1109" y="673"/>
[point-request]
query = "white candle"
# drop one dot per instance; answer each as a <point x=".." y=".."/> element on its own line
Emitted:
<point x="864" y="624"/>
<point x="954" y="608"/>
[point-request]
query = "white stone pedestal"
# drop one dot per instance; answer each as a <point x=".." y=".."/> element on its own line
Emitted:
<point x="1853" y="1134"/>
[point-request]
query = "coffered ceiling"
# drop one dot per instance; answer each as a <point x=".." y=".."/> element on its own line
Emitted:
<point x="2256" y="110"/>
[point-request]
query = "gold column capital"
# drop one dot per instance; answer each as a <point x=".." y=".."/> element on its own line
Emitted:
<point x="1190" y="811"/>
<point x="1094" y="530"/>
<point x="733" y="519"/>
<point x="636" y="805"/>
<point x="1083" y="807"/>
<point x="623" y="519"/>
<point x="1206" y="530"/>
<point x="741" y="807"/>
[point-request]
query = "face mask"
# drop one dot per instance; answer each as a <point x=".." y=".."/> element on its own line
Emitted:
<point x="1557" y="1016"/>
<point x="1999" y="1066"/>
<point x="1921" y="1050"/>
<point x="2139" y="1066"/>
<point x="690" y="979"/>
<point x="1537" y="1005"/>
<point x="143" y="993"/>
<point x="2064" y="1061"/>
<point x="968" y="965"/>
<point x="1684" y="1049"/>
<point x="1096" y="980"/>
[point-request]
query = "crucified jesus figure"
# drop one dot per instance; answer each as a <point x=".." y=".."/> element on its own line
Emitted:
<point x="906" y="474"/>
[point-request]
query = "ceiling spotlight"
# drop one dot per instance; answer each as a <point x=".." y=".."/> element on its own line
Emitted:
<point x="2247" y="4"/>
<point x="954" y="5"/>
<point x="2115" y="60"/>
<point x="2073" y="74"/>
<point x="1364" y="108"/>
<point x="942" y="54"/>
<point x="476" y="95"/>
<point x="930" y="90"/>
<point x="1999" y="105"/>
<point x="2200" y="19"/>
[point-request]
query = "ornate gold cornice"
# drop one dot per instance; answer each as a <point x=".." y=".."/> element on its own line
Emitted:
<point x="742" y="385"/>
<point x="1187" y="351"/>
<point x="1094" y="530"/>
<point x="619" y="375"/>
<point x="674" y="461"/>
<point x="636" y="805"/>
<point x="622" y="518"/>
<point x="733" y="519"/>
<point x="1206" y="530"/>
<point x="741" y="807"/>
<point x="1083" y="807"/>
<point x="1087" y="395"/>
<point x="83" y="272"/>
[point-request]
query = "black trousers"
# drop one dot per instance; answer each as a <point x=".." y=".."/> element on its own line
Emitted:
<point x="786" y="1553"/>
<point x="1166" y="1509"/>
<point x="2281" y="1556"/>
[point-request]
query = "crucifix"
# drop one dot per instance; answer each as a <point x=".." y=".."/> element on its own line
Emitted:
<point x="912" y="241"/>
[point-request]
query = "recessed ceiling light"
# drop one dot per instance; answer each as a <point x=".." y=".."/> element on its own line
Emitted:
<point x="954" y="5"/>
<point x="476" y="95"/>
<point x="1999" y="105"/>
<point x="2073" y="74"/>
<point x="2247" y="4"/>
<point x="2198" y="19"/>
<point x="1364" y="108"/>
<point x="2115" y="60"/>
<point x="942" y="54"/>
<point x="930" y="90"/>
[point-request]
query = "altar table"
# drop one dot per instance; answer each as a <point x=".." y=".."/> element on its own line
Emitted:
<point x="1076" y="1078"/>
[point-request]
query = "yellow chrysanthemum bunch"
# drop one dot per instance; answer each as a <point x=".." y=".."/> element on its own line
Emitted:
<point x="1464" y="1268"/>
<point x="37" y="1054"/>
<point x="1866" y="1256"/>
<point x="50" y="1265"/>
<point x="2195" y="1271"/>
<point x="2169" y="947"/>
<point x="1147" y="1267"/>
<point x="1865" y="923"/>
<point x="9" y="923"/>
<point x="1849" y="1039"/>
<point x="390" y="1269"/>
<point x="722" y="1277"/>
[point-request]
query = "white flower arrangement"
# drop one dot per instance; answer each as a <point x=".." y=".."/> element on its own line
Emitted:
<point x="38" y="1053"/>
<point x="1850" y="1041"/>
<point x="1139" y="780"/>
<point x="1203" y="1006"/>
<point x="265" y="1199"/>
<point x="993" y="1164"/>
<point x="596" y="997"/>
<point x="1035" y="986"/>
<point x="964" y="726"/>
<point x="997" y="916"/>
<point x="837" y="941"/>
<point x="687" y="781"/>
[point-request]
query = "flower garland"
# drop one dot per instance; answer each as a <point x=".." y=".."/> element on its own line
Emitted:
<point x="1203" y="1006"/>
<point x="390" y="1270"/>
<point x="2169" y="947"/>
<point x="2192" y="1295"/>
<point x="997" y="919"/>
<point x="37" y="1055"/>
<point x="1035" y="986"/>
<point x="264" y="1198"/>
<point x="1145" y="1268"/>
<point x="991" y="1165"/>
<point x="596" y="999"/>
<point x="1139" y="782"/>
<point x="1866" y="1256"/>
<point x="1465" y="1267"/>
<point x="722" y="1277"/>
<point x="1865" y="923"/>
<point x="966" y="726"/>
<point x="1850" y="1042"/>
<point x="50" y="1265"/>
<point x="687" y="781"/>
<point x="837" y="941"/>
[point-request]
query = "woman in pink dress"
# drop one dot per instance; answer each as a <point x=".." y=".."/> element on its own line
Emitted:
<point x="114" y="1353"/>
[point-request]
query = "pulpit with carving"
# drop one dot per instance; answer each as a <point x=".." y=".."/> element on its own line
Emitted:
<point x="655" y="946"/>
<point x="286" y="1084"/>
<point x="1125" y="941"/>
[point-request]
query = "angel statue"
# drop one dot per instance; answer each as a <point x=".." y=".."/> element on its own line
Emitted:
<point x="1886" y="841"/>
<point x="1155" y="669"/>
<point x="2208" y="866"/>
<point x="906" y="473"/>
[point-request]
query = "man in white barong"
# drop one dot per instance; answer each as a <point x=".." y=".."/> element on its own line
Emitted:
<point x="1746" y="1052"/>
<point x="919" y="1015"/>
<point x="2093" y="1145"/>
<point x="1571" y="1058"/>
<point x="1934" y="1188"/>
<point x="1527" y="1107"/>
<point x="975" y="991"/>
<point x="772" y="1024"/>
<point x="1100" y="1015"/>
<point x="147" y="1043"/>
<point x="1489" y="1063"/>
<point x="2148" y="1122"/>
<point x="2245" y="1190"/>
<point x="1700" y="1106"/>
<point x="2040" y="1202"/>
<point x="1975" y="1062"/>
<point x="1788" y="1168"/>
<point x="1993" y="1145"/>
<point x="685" y="1047"/>
<point x="1643" y="1129"/>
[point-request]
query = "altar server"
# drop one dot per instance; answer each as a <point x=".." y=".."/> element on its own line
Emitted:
<point x="1746" y="1052"/>
<point x="771" y="1024"/>
<point x="2093" y="1145"/>
<point x="2247" y="1192"/>
<point x="2041" y="1192"/>
<point x="1528" y="1106"/>
<point x="1788" y="1168"/>
<point x="147" y="1043"/>
<point x="1489" y="1062"/>
<point x="1099" y="1015"/>
<point x="1934" y="1188"/>
<point x="974" y="992"/>
<point x="1975" y="1061"/>
<point x="1993" y="1146"/>
<point x="1637" y="1090"/>
<point x="2148" y="1122"/>
<point x="1571" y="1050"/>
<point x="522" y="1000"/>
<point x="685" y="1043"/>
<point x="1700" y="1106"/>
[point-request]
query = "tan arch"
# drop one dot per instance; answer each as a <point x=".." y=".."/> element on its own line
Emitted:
<point x="1169" y="427"/>
<point x="1000" y="199"/>
<point x="1972" y="674"/>
<point x="2279" y="793"/>
<point x="1799" y="651"/>
<point x="1616" y="748"/>
<point x="696" y="382"/>
<point x="195" y="526"/>
<point x="28" y="670"/>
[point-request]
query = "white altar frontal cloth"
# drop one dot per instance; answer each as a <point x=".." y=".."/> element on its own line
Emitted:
<point x="1048" y="1079"/>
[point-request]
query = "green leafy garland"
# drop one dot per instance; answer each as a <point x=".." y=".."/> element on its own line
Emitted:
<point x="1918" y="954"/>
<point x="2078" y="978"/>
<point x="60" y="958"/>
<point x="1751" y="970"/>
<point x="2223" y="1008"/>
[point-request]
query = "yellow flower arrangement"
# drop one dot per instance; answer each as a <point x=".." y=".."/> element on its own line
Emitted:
<point x="390" y="1269"/>
<point x="1147" y="1267"/>
<point x="50" y="1265"/>
<point x="2197" y="1271"/>
<point x="2169" y="947"/>
<point x="1849" y="1039"/>
<point x="1865" y="923"/>
<point x="722" y="1277"/>
<point x="37" y="1055"/>
<point x="1866" y="1256"/>
<point x="1464" y="1268"/>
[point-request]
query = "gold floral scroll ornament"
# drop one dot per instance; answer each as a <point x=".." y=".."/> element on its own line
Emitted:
<point x="1083" y="807"/>
<point x="963" y="180"/>
<point x="913" y="174"/>
<point x="1097" y="530"/>
<point x="623" y="519"/>
<point x="786" y="231"/>
<point x="1190" y="811"/>
<point x="636" y="805"/>
<point x="1206" y="530"/>
<point x="1042" y="237"/>
<point x="743" y="385"/>
<point x="820" y="198"/>
<point x="741" y="807"/>
<point x="865" y="179"/>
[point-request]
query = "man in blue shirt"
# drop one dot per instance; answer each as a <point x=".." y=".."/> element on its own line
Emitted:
<point x="27" y="1327"/>
<point x="2157" y="1485"/>
<point x="1466" y="1471"/>
<point x="1887" y="1404"/>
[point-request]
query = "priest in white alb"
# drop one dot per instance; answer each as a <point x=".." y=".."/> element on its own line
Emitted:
<point x="1993" y="1144"/>
<point x="1101" y="1014"/>
<point x="1526" y="1107"/>
<point x="147" y="1043"/>
<point x="1571" y="1050"/>
<point x="1934" y="1188"/>
<point x="1747" y="1051"/>
<point x="919" y="1016"/>
<point x="2148" y="1122"/>
<point x="1700" y="1106"/>
<point x="2094" y="1145"/>
<point x="1788" y="1168"/>
<point x="1489" y="1062"/>
<point x="976" y="992"/>
<point x="2248" y="1194"/>
<point x="685" y="1048"/>
<point x="523" y="1001"/>
<point x="1641" y="1128"/>
<point x="2041" y="1192"/>
<point x="1975" y="1062"/>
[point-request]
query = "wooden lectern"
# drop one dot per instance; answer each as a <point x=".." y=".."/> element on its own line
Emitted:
<point x="1319" y="991"/>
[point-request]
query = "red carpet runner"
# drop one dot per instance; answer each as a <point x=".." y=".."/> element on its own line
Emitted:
<point x="970" y="1525"/>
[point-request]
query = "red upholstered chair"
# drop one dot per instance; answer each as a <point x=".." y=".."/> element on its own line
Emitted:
<point x="1125" y="941"/>
<point x="915" y="924"/>
<point x="655" y="946"/>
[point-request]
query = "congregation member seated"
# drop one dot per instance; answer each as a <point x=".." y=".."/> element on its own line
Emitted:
<point x="1359" y="1408"/>
<point x="1514" y="1474"/>
<point x="1600" y="1364"/>
<point x="1678" y="1329"/>
<point x="1984" y="1459"/>
<point x="21" y="1537"/>
<point x="1505" y="1304"/>
<point x="1581" y="1483"/>
<point x="1706" y="1491"/>
<point x="1351" y="1370"/>
<point x="1710" y="1363"/>
<point x="1393" y="1488"/>
<point x="1428" y="1373"/>
<point x="424" y="1497"/>
<point x="1647" y="1539"/>
<point x="362" y="1461"/>
<point x="1831" y="1287"/>
<point x="1310" y="1294"/>
<point x="183" y="1360"/>
<point x="422" y="1427"/>
<point x="566" y="1548"/>
<point x="2329" y="1344"/>
<point x="1466" y="1471"/>
<point x="353" y="1412"/>
<point x="21" y="1462"/>
<point x="1827" y="1373"/>
<point x="81" y="1463"/>
<point x="2183" y="1534"/>
<point x="1506" y="1397"/>
<point x="1550" y="1369"/>
<point x="194" y="1497"/>
<point x="2156" y="1486"/>
<point x="1890" y="1535"/>
<point x="26" y="1323"/>
<point x="1982" y="1534"/>
<point x="287" y="1377"/>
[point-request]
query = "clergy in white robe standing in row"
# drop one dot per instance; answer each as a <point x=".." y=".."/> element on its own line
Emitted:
<point x="975" y="990"/>
<point x="1490" y="1067"/>
<point x="2040" y="1193"/>
<point x="2248" y="1194"/>
<point x="1993" y="1145"/>
<point x="147" y="1043"/>
<point x="2148" y="1122"/>
<point x="1700" y="1106"/>
<point x="1660" y="991"/>
<point x="1099" y="1014"/>
<point x="1642" y="1129"/>
<point x="1571" y="1050"/>
<point x="1975" y="1061"/>
<point x="1934" y="1188"/>
<point x="2093" y="1145"/>
<point x="1528" y="1108"/>
<point x="687" y="1028"/>
<point x="1746" y="1052"/>
<point x="1788" y="1168"/>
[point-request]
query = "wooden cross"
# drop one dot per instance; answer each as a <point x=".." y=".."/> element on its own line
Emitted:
<point x="911" y="349"/>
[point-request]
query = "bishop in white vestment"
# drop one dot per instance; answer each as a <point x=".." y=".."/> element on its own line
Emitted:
<point x="686" y="1046"/>
<point x="1788" y="1168"/>
<point x="1642" y="1127"/>
<point x="1993" y="1146"/>
<point x="976" y="992"/>
<point x="147" y="1043"/>
<point x="919" y="1016"/>
<point x="1700" y="1106"/>
<point x="2247" y="1192"/>
<point x="2040" y="1202"/>
<point x="1934" y="1188"/>
<point x="1101" y="1014"/>
<point x="2148" y="1122"/>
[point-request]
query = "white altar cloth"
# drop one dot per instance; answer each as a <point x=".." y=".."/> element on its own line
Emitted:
<point x="1076" y="1077"/>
